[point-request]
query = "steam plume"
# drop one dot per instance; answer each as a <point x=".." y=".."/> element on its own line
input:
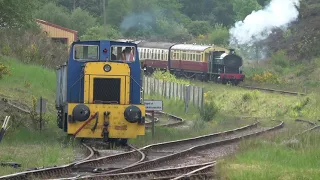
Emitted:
<point x="258" y="25"/>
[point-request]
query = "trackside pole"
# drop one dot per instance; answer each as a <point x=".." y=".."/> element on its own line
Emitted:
<point x="152" y="106"/>
<point x="41" y="108"/>
<point x="153" y="129"/>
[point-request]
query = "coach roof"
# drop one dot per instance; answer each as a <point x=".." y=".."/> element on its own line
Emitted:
<point x="158" y="45"/>
<point x="190" y="47"/>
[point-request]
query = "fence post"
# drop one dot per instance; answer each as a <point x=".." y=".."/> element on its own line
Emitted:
<point x="187" y="98"/>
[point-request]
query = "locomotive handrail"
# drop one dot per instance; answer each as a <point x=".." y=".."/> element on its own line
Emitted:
<point x="75" y="84"/>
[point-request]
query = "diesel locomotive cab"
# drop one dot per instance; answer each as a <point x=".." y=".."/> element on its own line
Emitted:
<point x="99" y="91"/>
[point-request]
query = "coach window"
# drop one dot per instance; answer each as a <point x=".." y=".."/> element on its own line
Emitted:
<point x="86" y="52"/>
<point x="162" y="54"/>
<point x="151" y="52"/>
<point x="183" y="53"/>
<point x="159" y="54"/>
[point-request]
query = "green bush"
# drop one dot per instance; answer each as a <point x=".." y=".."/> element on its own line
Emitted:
<point x="32" y="47"/>
<point x="247" y="96"/>
<point x="167" y="76"/>
<point x="219" y="35"/>
<point x="4" y="70"/>
<point x="280" y="59"/>
<point x="208" y="111"/>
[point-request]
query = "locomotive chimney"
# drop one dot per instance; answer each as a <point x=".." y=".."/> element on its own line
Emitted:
<point x="232" y="51"/>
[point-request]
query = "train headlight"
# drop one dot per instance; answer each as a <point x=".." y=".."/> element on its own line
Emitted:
<point x="107" y="68"/>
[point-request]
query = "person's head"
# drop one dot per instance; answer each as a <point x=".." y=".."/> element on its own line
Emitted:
<point x="127" y="50"/>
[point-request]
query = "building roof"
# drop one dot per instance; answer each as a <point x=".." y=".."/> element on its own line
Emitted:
<point x="56" y="26"/>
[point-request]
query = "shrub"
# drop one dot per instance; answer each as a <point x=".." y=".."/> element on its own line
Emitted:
<point x="219" y="35"/>
<point x="208" y="111"/>
<point x="280" y="59"/>
<point x="266" y="77"/>
<point x="167" y="76"/>
<point x="4" y="70"/>
<point x="300" y="105"/>
<point x="32" y="47"/>
<point x="250" y="95"/>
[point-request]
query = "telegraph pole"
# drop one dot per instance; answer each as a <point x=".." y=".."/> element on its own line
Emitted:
<point x="104" y="17"/>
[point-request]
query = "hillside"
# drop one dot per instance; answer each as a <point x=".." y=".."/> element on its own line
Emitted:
<point x="301" y="41"/>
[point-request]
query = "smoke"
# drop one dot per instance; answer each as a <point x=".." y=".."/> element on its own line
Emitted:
<point x="137" y="20"/>
<point x="258" y="25"/>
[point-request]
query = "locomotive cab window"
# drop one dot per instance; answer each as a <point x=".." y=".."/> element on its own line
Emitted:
<point x="86" y="52"/>
<point x="123" y="53"/>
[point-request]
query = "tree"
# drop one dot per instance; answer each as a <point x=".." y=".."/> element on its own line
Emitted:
<point x="116" y="11"/>
<point x="198" y="27"/>
<point x="54" y="14"/>
<point x="81" y="20"/>
<point x="97" y="32"/>
<point x="219" y="36"/>
<point x="242" y="11"/>
<point x="263" y="2"/>
<point x="16" y="13"/>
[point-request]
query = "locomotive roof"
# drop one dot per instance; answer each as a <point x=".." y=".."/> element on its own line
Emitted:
<point x="160" y="45"/>
<point x="190" y="47"/>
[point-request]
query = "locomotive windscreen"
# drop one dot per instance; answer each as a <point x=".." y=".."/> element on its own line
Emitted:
<point x="232" y="60"/>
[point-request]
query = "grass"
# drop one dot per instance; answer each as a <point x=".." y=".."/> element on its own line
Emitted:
<point x="257" y="159"/>
<point x="275" y="159"/>
<point x="267" y="157"/>
<point x="242" y="102"/>
<point x="26" y="81"/>
<point x="25" y="145"/>
<point x="34" y="149"/>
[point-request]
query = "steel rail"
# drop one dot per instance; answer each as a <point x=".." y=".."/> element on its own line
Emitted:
<point x="273" y="90"/>
<point x="125" y="155"/>
<point x="159" y="173"/>
<point x="40" y="173"/>
<point x="195" y="171"/>
<point x="305" y="121"/>
<point x="179" y="120"/>
<point x="69" y="168"/>
<point x="156" y="162"/>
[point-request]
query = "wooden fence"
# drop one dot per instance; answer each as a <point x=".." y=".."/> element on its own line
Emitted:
<point x="172" y="90"/>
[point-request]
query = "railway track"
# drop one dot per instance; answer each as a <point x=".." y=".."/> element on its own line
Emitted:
<point x="189" y="146"/>
<point x="163" y="119"/>
<point x="113" y="163"/>
<point x="273" y="90"/>
<point x="151" y="156"/>
<point x="173" y="160"/>
<point x="35" y="172"/>
<point x="168" y="173"/>
<point x="313" y="124"/>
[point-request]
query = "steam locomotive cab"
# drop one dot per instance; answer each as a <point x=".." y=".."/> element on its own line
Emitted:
<point x="226" y="67"/>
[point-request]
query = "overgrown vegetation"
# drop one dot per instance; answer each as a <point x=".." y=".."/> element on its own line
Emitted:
<point x="4" y="70"/>
<point x="32" y="47"/>
<point x="167" y="76"/>
<point x="26" y="144"/>
<point x="280" y="157"/>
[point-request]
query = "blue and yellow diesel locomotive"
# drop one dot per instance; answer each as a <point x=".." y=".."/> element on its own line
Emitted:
<point x="99" y="91"/>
